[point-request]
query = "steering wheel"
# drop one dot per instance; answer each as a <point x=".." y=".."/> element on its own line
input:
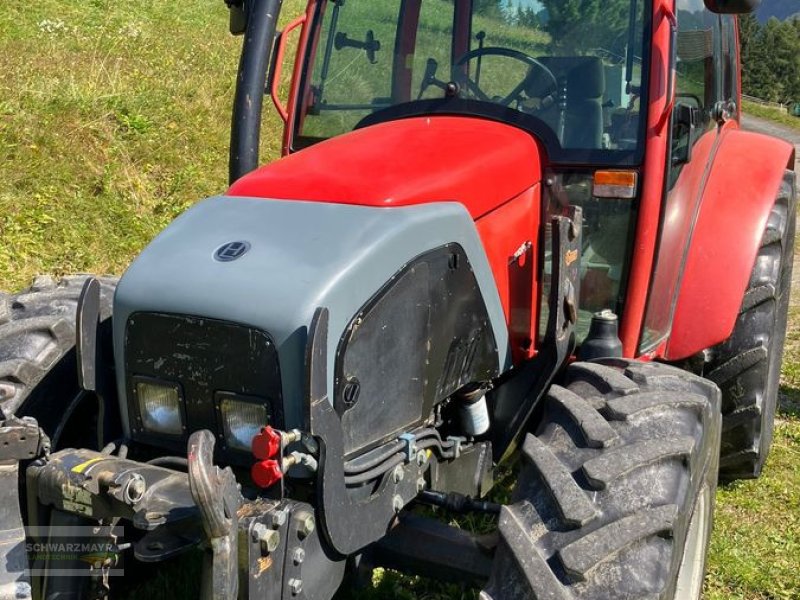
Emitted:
<point x="533" y="64"/>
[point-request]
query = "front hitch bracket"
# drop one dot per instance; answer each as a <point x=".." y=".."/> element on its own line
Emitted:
<point x="516" y="395"/>
<point x="349" y="524"/>
<point x="20" y="439"/>
<point x="216" y="494"/>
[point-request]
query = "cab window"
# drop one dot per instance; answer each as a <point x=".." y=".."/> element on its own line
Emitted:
<point x="576" y="79"/>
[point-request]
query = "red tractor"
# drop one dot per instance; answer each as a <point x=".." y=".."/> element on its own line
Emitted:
<point x="499" y="230"/>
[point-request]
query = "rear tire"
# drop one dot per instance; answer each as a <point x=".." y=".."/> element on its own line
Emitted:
<point x="747" y="367"/>
<point x="38" y="368"/>
<point x="616" y="494"/>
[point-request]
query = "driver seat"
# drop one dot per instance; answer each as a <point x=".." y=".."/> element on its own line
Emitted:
<point x="586" y="85"/>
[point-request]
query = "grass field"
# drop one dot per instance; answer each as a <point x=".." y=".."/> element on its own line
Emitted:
<point x="114" y="118"/>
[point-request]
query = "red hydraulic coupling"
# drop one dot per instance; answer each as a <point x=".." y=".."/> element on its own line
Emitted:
<point x="266" y="473"/>
<point x="268" y="448"/>
<point x="267" y="444"/>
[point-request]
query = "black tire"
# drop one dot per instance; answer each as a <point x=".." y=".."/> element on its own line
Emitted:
<point x="747" y="367"/>
<point x="38" y="368"/>
<point x="616" y="489"/>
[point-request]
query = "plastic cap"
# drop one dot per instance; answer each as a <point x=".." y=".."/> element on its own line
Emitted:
<point x="266" y="444"/>
<point x="266" y="473"/>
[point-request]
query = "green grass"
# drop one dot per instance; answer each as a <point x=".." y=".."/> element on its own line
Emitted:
<point x="771" y="114"/>
<point x="114" y="118"/>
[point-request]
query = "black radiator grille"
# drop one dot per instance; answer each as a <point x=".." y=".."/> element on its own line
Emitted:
<point x="205" y="357"/>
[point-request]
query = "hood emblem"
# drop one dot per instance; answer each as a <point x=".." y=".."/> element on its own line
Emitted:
<point x="231" y="251"/>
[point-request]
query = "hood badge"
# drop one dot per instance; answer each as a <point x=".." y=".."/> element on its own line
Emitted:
<point x="231" y="251"/>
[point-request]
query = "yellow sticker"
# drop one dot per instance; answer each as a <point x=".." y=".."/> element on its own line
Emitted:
<point x="83" y="466"/>
<point x="571" y="257"/>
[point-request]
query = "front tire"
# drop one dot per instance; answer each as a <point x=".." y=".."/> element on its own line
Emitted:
<point x="616" y="494"/>
<point x="38" y="368"/>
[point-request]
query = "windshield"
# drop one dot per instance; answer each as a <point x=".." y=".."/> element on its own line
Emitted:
<point x="569" y="71"/>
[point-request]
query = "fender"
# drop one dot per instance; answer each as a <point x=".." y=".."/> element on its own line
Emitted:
<point x="734" y="210"/>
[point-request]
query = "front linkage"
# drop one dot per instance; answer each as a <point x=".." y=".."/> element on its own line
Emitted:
<point x="264" y="546"/>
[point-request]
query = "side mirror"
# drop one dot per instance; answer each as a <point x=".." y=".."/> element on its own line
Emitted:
<point x="732" y="7"/>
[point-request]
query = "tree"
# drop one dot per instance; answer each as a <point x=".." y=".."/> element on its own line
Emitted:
<point x="771" y="59"/>
<point x="583" y="24"/>
<point x="488" y="8"/>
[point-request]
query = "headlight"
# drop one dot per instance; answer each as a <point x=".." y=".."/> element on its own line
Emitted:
<point x="160" y="407"/>
<point x="242" y="419"/>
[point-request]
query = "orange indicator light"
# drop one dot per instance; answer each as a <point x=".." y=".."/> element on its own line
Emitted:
<point x="615" y="184"/>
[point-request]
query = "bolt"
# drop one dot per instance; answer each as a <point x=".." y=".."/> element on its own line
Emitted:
<point x="154" y="516"/>
<point x="398" y="474"/>
<point x="278" y="518"/>
<point x="257" y="531"/>
<point x="420" y="484"/>
<point x="296" y="586"/>
<point x="268" y="538"/>
<point x="135" y="488"/>
<point x="306" y="525"/>
<point x="422" y="458"/>
<point x="397" y="504"/>
<point x="298" y="556"/>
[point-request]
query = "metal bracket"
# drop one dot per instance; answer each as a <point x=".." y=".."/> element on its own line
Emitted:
<point x="216" y="494"/>
<point x="263" y="534"/>
<point x="410" y="441"/>
<point x="515" y="396"/>
<point x="88" y="319"/>
<point x="430" y="548"/>
<point x="348" y="522"/>
<point x="21" y="439"/>
<point x="95" y="373"/>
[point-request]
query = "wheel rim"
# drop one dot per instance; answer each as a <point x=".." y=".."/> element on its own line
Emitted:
<point x="692" y="570"/>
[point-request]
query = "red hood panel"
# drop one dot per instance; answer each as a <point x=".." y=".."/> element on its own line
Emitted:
<point x="480" y="163"/>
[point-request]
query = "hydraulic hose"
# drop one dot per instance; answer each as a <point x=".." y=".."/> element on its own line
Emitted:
<point x="395" y="461"/>
<point x="372" y="459"/>
<point x="379" y="464"/>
